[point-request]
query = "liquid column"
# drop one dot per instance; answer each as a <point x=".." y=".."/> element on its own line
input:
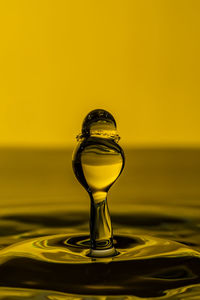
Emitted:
<point x="97" y="162"/>
<point x="101" y="234"/>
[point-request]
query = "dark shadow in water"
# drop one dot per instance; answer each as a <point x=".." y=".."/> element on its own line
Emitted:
<point x="145" y="220"/>
<point x="73" y="219"/>
<point x="56" y="220"/>
<point x="142" y="278"/>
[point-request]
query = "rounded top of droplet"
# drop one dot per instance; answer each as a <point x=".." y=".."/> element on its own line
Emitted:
<point x="99" y="123"/>
<point x="99" y="118"/>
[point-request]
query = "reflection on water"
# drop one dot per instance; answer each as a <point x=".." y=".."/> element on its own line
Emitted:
<point x="44" y="242"/>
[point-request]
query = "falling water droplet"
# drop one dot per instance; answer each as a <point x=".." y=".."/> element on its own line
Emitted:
<point x="98" y="161"/>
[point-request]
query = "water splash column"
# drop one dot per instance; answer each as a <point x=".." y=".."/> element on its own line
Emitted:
<point x="98" y="161"/>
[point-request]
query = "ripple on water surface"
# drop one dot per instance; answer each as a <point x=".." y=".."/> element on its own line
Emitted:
<point x="44" y="257"/>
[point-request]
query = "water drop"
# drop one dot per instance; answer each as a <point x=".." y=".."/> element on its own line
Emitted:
<point x="98" y="161"/>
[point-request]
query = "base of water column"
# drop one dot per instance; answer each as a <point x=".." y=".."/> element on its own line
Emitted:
<point x="103" y="253"/>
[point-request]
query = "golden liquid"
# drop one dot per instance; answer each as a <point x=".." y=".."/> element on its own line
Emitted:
<point x="44" y="234"/>
<point x="101" y="167"/>
<point x="97" y="163"/>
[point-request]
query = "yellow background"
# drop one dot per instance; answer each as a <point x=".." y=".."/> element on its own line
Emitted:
<point x="137" y="59"/>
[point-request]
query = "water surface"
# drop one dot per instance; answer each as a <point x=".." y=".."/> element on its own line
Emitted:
<point x="155" y="211"/>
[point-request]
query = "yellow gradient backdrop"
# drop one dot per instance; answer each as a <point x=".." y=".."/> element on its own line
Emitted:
<point x="138" y="59"/>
